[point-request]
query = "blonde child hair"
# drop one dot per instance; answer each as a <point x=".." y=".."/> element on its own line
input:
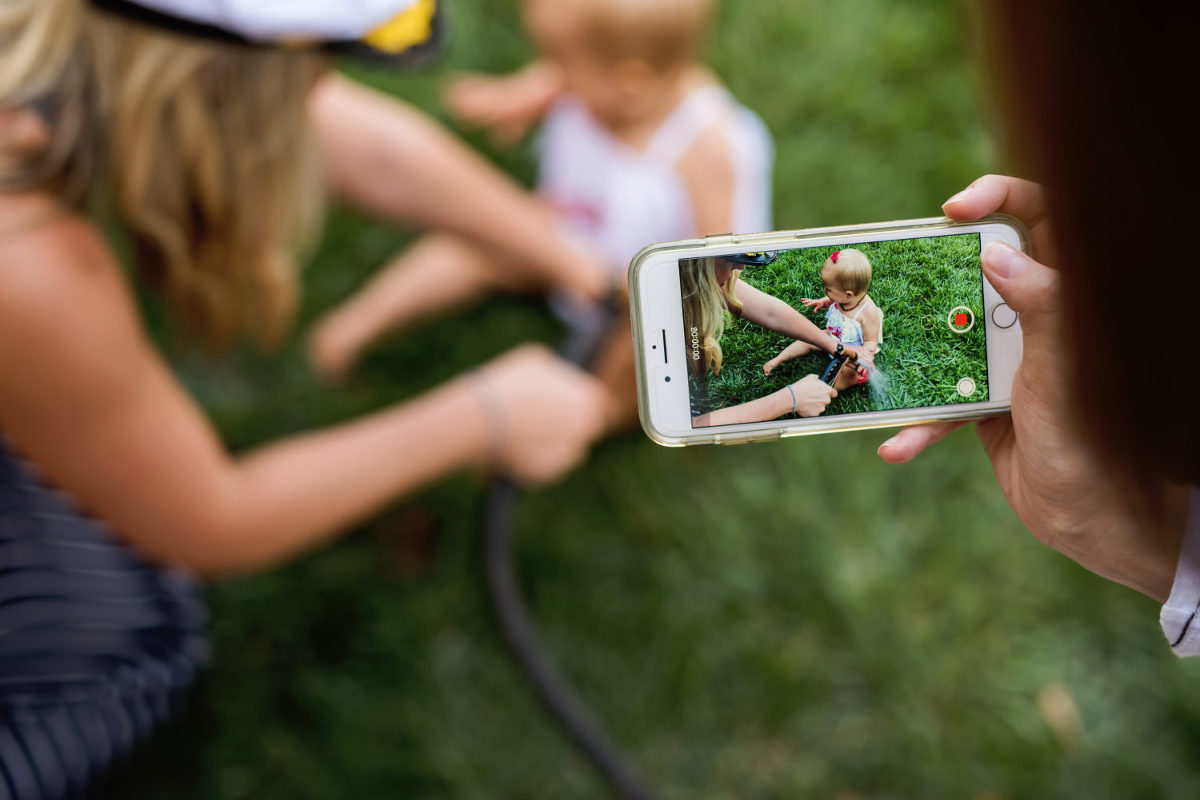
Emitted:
<point x="849" y="269"/>
<point x="662" y="33"/>
<point x="705" y="303"/>
<point x="203" y="149"/>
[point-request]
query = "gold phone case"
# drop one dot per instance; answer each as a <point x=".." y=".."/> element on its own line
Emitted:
<point x="726" y="243"/>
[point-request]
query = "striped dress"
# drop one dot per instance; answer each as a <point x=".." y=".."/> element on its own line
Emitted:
<point x="97" y="646"/>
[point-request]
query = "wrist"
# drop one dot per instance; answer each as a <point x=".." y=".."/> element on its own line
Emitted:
<point x="470" y="408"/>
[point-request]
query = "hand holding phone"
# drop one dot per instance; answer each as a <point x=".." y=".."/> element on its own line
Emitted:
<point x="1046" y="467"/>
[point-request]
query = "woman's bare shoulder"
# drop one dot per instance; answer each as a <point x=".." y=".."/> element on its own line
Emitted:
<point x="60" y="263"/>
<point x="62" y="292"/>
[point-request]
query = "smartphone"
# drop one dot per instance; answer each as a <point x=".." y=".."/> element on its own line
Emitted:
<point x="723" y="335"/>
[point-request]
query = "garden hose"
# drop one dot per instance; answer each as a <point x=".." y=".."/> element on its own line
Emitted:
<point x="557" y="697"/>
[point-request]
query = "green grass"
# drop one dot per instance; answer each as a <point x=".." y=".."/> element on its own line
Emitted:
<point x="749" y="622"/>
<point x="915" y="282"/>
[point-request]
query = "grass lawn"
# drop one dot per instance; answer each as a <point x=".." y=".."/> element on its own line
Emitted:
<point x="740" y="638"/>
<point x="915" y="282"/>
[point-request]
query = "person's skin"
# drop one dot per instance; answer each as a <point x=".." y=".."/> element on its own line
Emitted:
<point x="870" y="318"/>
<point x="88" y="400"/>
<point x="392" y="160"/>
<point x="774" y="314"/>
<point x="506" y="106"/>
<point x="1043" y="461"/>
<point x="812" y="396"/>
<point x="443" y="271"/>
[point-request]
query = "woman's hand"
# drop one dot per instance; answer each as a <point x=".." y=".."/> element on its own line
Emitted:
<point x="812" y="396"/>
<point x="1043" y="461"/>
<point x="543" y="413"/>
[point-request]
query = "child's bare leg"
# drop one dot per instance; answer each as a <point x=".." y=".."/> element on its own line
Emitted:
<point x="847" y="377"/>
<point x="438" y="273"/>
<point x="793" y="350"/>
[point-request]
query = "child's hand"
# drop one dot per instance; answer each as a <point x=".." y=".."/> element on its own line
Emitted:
<point x="506" y="106"/>
<point x="816" y="305"/>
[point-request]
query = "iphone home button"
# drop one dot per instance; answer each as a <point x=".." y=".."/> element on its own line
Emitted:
<point x="1003" y="316"/>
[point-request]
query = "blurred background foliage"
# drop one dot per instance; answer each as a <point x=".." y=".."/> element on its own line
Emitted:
<point x="748" y="622"/>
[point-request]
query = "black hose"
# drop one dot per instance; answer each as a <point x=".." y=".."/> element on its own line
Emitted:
<point x="525" y="646"/>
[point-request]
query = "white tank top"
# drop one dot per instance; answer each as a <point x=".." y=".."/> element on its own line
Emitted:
<point x="619" y="199"/>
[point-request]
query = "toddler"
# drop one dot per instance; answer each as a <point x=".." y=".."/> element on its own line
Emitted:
<point x="640" y="143"/>
<point x="853" y="318"/>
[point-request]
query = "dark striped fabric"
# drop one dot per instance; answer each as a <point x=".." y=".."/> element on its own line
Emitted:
<point x="97" y="646"/>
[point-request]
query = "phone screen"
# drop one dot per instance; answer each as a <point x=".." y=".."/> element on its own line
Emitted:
<point x="913" y="307"/>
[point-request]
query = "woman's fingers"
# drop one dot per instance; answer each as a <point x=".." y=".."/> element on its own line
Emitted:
<point x="1028" y="287"/>
<point x="812" y="395"/>
<point x="908" y="443"/>
<point x="544" y="413"/>
<point x="1001" y="194"/>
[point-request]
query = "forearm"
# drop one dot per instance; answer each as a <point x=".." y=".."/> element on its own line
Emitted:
<point x="774" y="314"/>
<point x="294" y="494"/>
<point x="394" y="161"/>
<point x="790" y="322"/>
<point x="771" y="406"/>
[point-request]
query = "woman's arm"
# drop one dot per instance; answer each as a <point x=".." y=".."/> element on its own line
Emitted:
<point x="811" y="398"/>
<point x="394" y="161"/>
<point x="774" y="314"/>
<point x="90" y="402"/>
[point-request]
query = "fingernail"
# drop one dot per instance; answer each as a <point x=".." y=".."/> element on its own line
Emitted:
<point x="958" y="198"/>
<point x="1003" y="262"/>
<point x="888" y="443"/>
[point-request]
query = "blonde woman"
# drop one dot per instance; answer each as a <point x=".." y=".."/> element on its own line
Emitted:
<point x="214" y="157"/>
<point x="710" y="289"/>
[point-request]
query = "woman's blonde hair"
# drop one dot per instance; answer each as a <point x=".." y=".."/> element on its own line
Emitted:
<point x="705" y="303"/>
<point x="203" y="149"/>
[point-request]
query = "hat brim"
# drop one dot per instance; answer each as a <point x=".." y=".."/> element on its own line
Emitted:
<point x="753" y="259"/>
<point x="412" y="38"/>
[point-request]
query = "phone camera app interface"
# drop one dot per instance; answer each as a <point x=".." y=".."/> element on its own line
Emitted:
<point x="889" y="325"/>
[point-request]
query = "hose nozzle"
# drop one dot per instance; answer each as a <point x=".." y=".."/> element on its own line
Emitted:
<point x="837" y="361"/>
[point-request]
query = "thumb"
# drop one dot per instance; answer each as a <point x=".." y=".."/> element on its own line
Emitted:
<point x="1028" y="287"/>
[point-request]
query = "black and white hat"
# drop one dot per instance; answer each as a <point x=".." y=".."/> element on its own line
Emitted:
<point x="401" y="32"/>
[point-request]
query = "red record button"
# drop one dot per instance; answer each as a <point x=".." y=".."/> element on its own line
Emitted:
<point x="960" y="319"/>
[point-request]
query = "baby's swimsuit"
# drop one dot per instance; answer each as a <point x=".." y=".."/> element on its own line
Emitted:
<point x="618" y="200"/>
<point x="847" y="329"/>
<point x="97" y="645"/>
